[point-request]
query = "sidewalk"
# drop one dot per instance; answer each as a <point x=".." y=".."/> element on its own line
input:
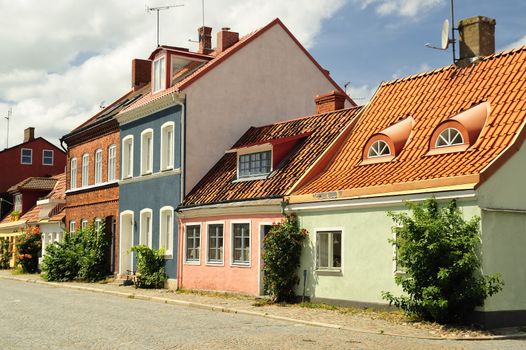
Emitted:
<point x="376" y="322"/>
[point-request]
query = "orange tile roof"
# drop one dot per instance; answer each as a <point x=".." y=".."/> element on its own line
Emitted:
<point x="316" y="132"/>
<point x="34" y="183"/>
<point x="39" y="212"/>
<point x="430" y="98"/>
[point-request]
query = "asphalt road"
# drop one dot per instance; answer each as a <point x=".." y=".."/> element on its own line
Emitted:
<point x="40" y="317"/>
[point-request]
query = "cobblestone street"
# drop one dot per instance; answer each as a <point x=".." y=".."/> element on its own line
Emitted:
<point x="41" y="317"/>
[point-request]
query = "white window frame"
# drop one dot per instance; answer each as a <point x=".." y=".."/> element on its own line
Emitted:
<point x="160" y="75"/>
<point x="145" y="231"/>
<point x="377" y="152"/>
<point x="112" y="163"/>
<point x="17" y="202"/>
<point x="71" y="226"/>
<point x="248" y="152"/>
<point x="168" y="251"/>
<point x="146" y="155"/>
<point x="127" y="159"/>
<point x="30" y="156"/>
<point x="185" y="240"/>
<point x="44" y="157"/>
<point x="73" y="173"/>
<point x="330" y="230"/>
<point x="207" y="244"/>
<point x="449" y="140"/>
<point x="85" y="170"/>
<point x="97" y="224"/>
<point x="167" y="161"/>
<point x="232" y="242"/>
<point x="98" y="166"/>
<point x="83" y="224"/>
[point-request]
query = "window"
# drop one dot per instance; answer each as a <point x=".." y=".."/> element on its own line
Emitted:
<point x="159" y="75"/>
<point x="26" y="156"/>
<point x="85" y="170"/>
<point x="98" y="166"/>
<point x="146" y="151"/>
<point x="112" y="162"/>
<point x="18" y="202"/>
<point x="72" y="226"/>
<point x="73" y="173"/>
<point x="241" y="243"/>
<point x="449" y="137"/>
<point x="254" y="164"/>
<point x="166" y="230"/>
<point x="98" y="224"/>
<point x="47" y="157"/>
<point x="193" y="242"/>
<point x="329" y="250"/>
<point x="83" y="224"/>
<point x="215" y="243"/>
<point x="167" y="146"/>
<point x="146" y="228"/>
<point x="379" y="149"/>
<point x="127" y="157"/>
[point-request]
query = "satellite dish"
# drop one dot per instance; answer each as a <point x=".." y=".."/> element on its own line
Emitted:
<point x="445" y="35"/>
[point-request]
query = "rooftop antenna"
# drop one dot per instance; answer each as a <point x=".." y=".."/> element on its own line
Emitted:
<point x="203" y="22"/>
<point x="445" y="39"/>
<point x="9" y="114"/>
<point x="158" y="9"/>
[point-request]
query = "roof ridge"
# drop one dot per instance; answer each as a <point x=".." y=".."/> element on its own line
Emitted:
<point x="309" y="116"/>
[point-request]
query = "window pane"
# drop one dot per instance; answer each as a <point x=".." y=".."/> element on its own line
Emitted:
<point x="323" y="250"/>
<point x="337" y="249"/>
<point x="215" y="242"/>
<point x="193" y="242"/>
<point x="47" y="157"/>
<point x="241" y="253"/>
<point x="254" y="164"/>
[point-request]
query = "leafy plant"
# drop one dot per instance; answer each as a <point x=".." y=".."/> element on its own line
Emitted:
<point x="438" y="251"/>
<point x="150" y="265"/>
<point x="28" y="248"/>
<point x="281" y="256"/>
<point x="5" y="253"/>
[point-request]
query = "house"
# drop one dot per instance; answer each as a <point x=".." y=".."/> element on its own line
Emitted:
<point x="197" y="104"/>
<point x="37" y="201"/>
<point x="454" y="133"/>
<point x="33" y="157"/>
<point x="93" y="170"/>
<point x="223" y="220"/>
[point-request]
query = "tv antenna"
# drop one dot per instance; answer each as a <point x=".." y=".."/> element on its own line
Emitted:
<point x="9" y="114"/>
<point x="445" y="39"/>
<point x="158" y="9"/>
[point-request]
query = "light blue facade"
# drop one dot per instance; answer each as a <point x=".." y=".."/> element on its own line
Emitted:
<point x="156" y="190"/>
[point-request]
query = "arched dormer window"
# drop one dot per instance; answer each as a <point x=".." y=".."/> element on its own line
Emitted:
<point x="387" y="144"/>
<point x="449" y="137"/>
<point x="379" y="148"/>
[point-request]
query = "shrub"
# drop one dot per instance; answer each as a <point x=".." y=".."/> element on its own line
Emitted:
<point x="61" y="262"/>
<point x="28" y="248"/>
<point x="281" y="256"/>
<point x="438" y="251"/>
<point x="5" y="253"/>
<point x="150" y="265"/>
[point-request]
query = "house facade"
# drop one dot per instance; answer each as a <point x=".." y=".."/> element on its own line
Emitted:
<point x="451" y="133"/>
<point x="201" y="102"/>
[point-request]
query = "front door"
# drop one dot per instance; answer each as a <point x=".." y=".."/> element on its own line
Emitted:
<point x="264" y="229"/>
<point x="126" y="242"/>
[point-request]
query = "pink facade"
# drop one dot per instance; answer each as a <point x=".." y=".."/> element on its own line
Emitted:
<point x="232" y="272"/>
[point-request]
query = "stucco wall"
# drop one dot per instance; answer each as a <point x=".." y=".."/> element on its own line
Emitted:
<point x="268" y="80"/>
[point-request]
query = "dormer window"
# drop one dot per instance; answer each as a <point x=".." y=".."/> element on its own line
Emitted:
<point x="379" y="149"/>
<point x="159" y="74"/>
<point x="387" y="144"/>
<point x="449" y="137"/>
<point x="254" y="164"/>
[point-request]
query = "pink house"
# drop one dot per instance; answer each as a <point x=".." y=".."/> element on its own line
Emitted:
<point x="224" y="219"/>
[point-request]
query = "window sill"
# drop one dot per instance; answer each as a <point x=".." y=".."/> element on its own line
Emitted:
<point x="215" y="263"/>
<point x="329" y="272"/>
<point x="240" y="264"/>
<point x="146" y="173"/>
<point x="192" y="263"/>
<point x="447" y="149"/>
<point x="90" y="187"/>
<point x="251" y="178"/>
<point x="376" y="160"/>
<point x="168" y="257"/>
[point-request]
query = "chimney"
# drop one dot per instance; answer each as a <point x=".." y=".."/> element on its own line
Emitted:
<point x="330" y="102"/>
<point x="205" y="40"/>
<point x="29" y="134"/>
<point x="225" y="39"/>
<point x="477" y="38"/>
<point x="141" y="73"/>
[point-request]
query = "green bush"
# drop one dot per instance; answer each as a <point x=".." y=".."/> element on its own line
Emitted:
<point x="438" y="252"/>
<point x="150" y="265"/>
<point x="5" y="253"/>
<point x="28" y="248"/>
<point x="281" y="256"/>
<point x="79" y="256"/>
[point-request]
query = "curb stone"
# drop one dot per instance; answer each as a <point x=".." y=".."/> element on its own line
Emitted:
<point x="254" y="313"/>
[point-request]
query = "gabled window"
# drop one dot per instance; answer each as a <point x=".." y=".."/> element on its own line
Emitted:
<point x="241" y="243"/>
<point x="379" y="148"/>
<point x="215" y="243"/>
<point x="329" y="250"/>
<point x="98" y="166"/>
<point x="73" y="173"/>
<point x="85" y="170"/>
<point x="146" y="228"/>
<point x="159" y="74"/>
<point x="449" y="137"/>
<point x="127" y="157"/>
<point x="146" y="151"/>
<point x="254" y="164"/>
<point x="26" y="156"/>
<point x="166" y="230"/>
<point x="47" y="157"/>
<point x="167" y="146"/>
<point x="112" y="163"/>
<point x="192" y="243"/>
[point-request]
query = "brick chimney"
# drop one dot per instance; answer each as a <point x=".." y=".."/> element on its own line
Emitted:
<point x="29" y="134"/>
<point x="477" y="38"/>
<point x="205" y="40"/>
<point x="141" y="73"/>
<point x="225" y="39"/>
<point x="330" y="102"/>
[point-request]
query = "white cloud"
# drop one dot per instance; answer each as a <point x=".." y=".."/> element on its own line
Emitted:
<point x="403" y="8"/>
<point x="515" y="44"/>
<point x="361" y="94"/>
<point x="61" y="59"/>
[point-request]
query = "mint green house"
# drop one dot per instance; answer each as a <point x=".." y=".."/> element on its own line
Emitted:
<point x="454" y="133"/>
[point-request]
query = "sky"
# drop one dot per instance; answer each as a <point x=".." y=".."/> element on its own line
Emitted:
<point x="61" y="60"/>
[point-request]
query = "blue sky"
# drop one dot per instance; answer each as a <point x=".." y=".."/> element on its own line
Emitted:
<point x="60" y="60"/>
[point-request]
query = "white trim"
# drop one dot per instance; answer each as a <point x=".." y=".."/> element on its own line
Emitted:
<point x="22" y="156"/>
<point x="72" y="177"/>
<point x="148" y="238"/>
<point x="72" y="223"/>
<point x="150" y="177"/>
<point x="85" y="164"/>
<point x="110" y="148"/>
<point x="79" y="189"/>
<point x="240" y="264"/>
<point x="146" y="169"/>
<point x="162" y="165"/>
<point x="185" y="258"/>
<point x="163" y="79"/>
<point x="129" y="158"/>
<point x="169" y="254"/>
<point x="125" y="213"/>
<point x="260" y="257"/>
<point x="207" y="258"/>
<point x="84" y="224"/>
<point x="52" y="157"/>
<point x="338" y="271"/>
<point x="97" y="220"/>
<point x="98" y="150"/>
<point x="248" y="152"/>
